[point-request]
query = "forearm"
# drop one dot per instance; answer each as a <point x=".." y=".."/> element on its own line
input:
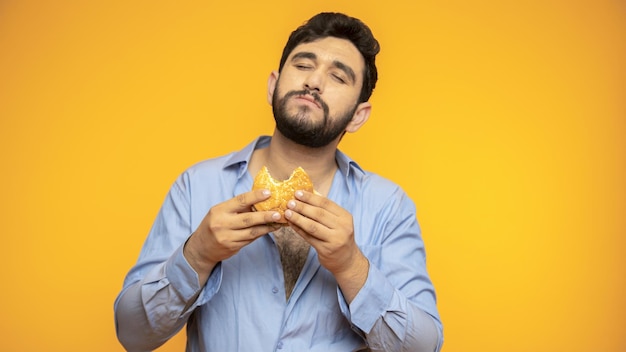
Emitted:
<point x="352" y="280"/>
<point x="192" y="250"/>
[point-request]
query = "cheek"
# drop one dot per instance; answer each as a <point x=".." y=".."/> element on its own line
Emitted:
<point x="341" y="102"/>
<point x="289" y="80"/>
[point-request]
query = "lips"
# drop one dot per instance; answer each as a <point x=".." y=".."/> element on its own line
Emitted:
<point x="309" y="98"/>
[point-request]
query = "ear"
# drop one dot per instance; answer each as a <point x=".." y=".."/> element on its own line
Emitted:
<point x="361" y="114"/>
<point x="271" y="86"/>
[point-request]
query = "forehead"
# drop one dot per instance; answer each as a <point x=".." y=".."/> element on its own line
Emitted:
<point x="331" y="49"/>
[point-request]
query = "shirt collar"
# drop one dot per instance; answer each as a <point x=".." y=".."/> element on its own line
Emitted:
<point x="347" y="166"/>
<point x="242" y="158"/>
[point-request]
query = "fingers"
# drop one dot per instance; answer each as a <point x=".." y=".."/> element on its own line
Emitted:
<point x="250" y="234"/>
<point x="315" y="207"/>
<point x="241" y="206"/>
<point x="314" y="215"/>
<point x="253" y="218"/>
<point x="244" y="201"/>
<point x="236" y="217"/>
<point x="250" y="225"/>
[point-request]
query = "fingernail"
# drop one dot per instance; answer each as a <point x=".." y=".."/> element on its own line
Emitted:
<point x="276" y="216"/>
<point x="267" y="193"/>
<point x="299" y="194"/>
<point x="291" y="204"/>
<point x="288" y="214"/>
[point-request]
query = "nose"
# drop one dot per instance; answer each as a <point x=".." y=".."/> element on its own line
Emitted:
<point x="314" y="81"/>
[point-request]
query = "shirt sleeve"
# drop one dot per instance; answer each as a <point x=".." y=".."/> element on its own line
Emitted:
<point x="390" y="322"/>
<point x="162" y="289"/>
<point x="396" y="308"/>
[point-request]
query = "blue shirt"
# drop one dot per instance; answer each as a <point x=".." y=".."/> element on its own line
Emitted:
<point x="242" y="307"/>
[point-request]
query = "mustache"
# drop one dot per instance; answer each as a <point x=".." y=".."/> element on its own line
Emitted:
<point x="316" y="97"/>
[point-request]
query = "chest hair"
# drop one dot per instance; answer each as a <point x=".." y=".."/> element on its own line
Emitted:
<point x="293" y="253"/>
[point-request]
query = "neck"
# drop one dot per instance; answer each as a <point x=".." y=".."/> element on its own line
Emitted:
<point x="282" y="156"/>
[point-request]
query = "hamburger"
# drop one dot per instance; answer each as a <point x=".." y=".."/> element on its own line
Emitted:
<point x="282" y="191"/>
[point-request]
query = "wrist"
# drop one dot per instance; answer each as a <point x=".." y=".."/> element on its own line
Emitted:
<point x="353" y="277"/>
<point x="199" y="262"/>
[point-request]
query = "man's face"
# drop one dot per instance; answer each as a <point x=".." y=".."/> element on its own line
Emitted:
<point x="317" y="92"/>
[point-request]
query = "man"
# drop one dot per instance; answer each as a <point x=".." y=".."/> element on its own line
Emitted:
<point x="347" y="274"/>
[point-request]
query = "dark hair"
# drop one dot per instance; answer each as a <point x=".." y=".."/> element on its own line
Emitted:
<point x="330" y="24"/>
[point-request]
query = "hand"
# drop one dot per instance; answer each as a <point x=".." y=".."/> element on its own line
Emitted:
<point x="228" y="227"/>
<point x="329" y="229"/>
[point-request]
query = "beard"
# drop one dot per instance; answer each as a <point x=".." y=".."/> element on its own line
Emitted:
<point x="299" y="127"/>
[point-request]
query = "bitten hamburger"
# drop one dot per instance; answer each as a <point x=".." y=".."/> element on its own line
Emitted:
<point x="282" y="191"/>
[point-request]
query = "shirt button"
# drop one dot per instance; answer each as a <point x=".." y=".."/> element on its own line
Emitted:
<point x="275" y="289"/>
<point x="280" y="345"/>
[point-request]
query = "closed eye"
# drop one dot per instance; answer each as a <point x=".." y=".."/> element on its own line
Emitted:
<point x="339" y="79"/>
<point x="303" y="60"/>
<point x="302" y="66"/>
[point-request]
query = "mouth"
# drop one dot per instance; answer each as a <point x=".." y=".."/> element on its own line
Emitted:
<point x="309" y="99"/>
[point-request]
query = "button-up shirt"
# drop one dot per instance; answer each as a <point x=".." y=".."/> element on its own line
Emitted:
<point x="242" y="307"/>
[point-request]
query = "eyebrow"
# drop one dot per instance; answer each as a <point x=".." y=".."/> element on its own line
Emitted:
<point x="338" y="64"/>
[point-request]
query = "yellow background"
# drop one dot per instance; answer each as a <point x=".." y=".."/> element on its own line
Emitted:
<point x="504" y="120"/>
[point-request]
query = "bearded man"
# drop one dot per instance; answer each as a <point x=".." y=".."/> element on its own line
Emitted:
<point x="348" y="273"/>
